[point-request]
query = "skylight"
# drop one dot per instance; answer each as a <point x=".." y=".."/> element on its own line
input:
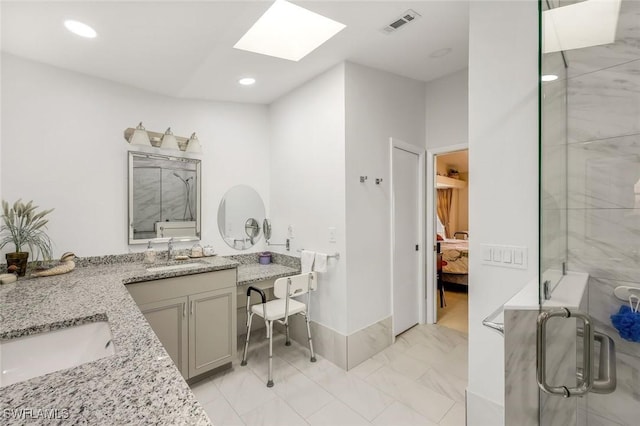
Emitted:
<point x="578" y="25"/>
<point x="288" y="31"/>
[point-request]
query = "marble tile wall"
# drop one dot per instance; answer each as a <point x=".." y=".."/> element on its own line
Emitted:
<point x="161" y="196"/>
<point x="604" y="194"/>
<point x="521" y="389"/>
<point x="365" y="343"/>
<point x="147" y="198"/>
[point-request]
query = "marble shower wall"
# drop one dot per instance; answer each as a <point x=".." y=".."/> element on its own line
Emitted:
<point x="161" y="196"/>
<point x="603" y="89"/>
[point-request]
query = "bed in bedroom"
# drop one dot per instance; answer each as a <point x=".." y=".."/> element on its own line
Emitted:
<point x="456" y="255"/>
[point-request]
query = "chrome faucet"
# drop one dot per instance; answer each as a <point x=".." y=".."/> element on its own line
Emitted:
<point x="170" y="248"/>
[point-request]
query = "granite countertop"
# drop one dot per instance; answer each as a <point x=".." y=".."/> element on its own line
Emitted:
<point x="253" y="272"/>
<point x="139" y="384"/>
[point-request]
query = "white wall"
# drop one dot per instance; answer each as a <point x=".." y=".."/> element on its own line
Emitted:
<point x="379" y="105"/>
<point x="503" y="189"/>
<point x="447" y="110"/>
<point x="308" y="183"/>
<point x="63" y="146"/>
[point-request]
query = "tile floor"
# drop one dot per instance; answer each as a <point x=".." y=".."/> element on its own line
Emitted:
<point x="419" y="380"/>
<point x="456" y="314"/>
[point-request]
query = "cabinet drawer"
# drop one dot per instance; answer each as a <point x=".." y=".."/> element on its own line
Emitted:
<point x="169" y="288"/>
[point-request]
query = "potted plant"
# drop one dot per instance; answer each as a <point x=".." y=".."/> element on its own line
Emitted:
<point x="25" y="228"/>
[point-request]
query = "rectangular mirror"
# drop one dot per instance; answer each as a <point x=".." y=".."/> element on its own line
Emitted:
<point x="164" y="197"/>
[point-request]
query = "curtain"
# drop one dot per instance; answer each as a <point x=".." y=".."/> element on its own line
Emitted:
<point x="444" y="207"/>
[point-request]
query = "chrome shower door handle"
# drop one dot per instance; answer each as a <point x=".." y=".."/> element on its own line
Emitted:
<point x="585" y="376"/>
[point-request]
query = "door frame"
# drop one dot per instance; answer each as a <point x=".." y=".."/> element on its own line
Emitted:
<point x="430" y="259"/>
<point x="395" y="143"/>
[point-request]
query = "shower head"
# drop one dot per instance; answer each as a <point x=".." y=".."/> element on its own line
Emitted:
<point x="180" y="177"/>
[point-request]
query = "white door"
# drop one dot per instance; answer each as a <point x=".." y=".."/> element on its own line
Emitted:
<point x="406" y="298"/>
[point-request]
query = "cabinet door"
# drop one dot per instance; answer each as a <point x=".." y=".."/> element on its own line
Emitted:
<point x="212" y="329"/>
<point x="169" y="320"/>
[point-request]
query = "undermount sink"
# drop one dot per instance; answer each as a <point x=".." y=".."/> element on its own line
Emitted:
<point x="35" y="355"/>
<point x="175" y="267"/>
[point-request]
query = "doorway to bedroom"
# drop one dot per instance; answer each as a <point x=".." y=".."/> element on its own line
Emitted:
<point x="451" y="215"/>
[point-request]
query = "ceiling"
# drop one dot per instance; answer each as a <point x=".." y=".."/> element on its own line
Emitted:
<point x="185" y="49"/>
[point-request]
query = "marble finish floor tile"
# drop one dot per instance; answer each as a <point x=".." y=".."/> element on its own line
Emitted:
<point x="425" y="401"/>
<point x="444" y="382"/>
<point x="456" y="416"/>
<point x="337" y="414"/>
<point x="205" y="391"/>
<point x="303" y="394"/>
<point x="398" y="414"/>
<point x="456" y="314"/>
<point x="419" y="380"/>
<point x="401" y="363"/>
<point x="221" y="413"/>
<point x="244" y="390"/>
<point x="274" y="413"/>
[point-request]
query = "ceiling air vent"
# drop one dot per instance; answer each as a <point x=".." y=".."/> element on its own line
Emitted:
<point x="401" y="21"/>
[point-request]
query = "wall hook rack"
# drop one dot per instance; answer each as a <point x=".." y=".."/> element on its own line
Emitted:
<point x="363" y="178"/>
<point x="378" y="181"/>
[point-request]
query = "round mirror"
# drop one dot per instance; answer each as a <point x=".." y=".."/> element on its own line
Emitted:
<point x="239" y="214"/>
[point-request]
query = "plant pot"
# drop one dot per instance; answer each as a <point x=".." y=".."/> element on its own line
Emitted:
<point x="20" y="260"/>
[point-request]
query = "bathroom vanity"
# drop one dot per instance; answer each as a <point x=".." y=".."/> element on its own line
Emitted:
<point x="194" y="316"/>
<point x="192" y="310"/>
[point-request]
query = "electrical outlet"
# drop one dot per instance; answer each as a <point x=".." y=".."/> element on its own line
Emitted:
<point x="291" y="232"/>
<point x="332" y="234"/>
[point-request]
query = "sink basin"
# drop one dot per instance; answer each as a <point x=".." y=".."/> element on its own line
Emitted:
<point x="35" y="355"/>
<point x="175" y="267"/>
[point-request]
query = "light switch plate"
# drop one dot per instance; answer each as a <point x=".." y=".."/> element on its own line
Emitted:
<point x="504" y="256"/>
<point x="486" y="253"/>
<point x="332" y="234"/>
<point x="497" y="254"/>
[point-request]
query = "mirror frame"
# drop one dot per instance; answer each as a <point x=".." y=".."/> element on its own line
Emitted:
<point x="198" y="163"/>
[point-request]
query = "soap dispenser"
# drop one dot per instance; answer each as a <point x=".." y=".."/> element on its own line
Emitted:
<point x="149" y="254"/>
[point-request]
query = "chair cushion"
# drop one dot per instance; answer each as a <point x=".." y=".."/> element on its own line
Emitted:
<point x="276" y="307"/>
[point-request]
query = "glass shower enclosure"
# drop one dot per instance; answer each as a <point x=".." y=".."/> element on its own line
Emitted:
<point x="588" y="370"/>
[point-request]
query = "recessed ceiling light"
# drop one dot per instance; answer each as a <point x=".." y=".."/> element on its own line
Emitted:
<point x="79" y="28"/>
<point x="440" y="52"/>
<point x="288" y="31"/>
<point x="549" y="77"/>
<point x="247" y="81"/>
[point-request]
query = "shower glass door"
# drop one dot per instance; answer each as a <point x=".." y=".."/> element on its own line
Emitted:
<point x="589" y="210"/>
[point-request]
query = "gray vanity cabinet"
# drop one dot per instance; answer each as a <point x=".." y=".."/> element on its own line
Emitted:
<point x="212" y="330"/>
<point x="194" y="316"/>
<point x="169" y="321"/>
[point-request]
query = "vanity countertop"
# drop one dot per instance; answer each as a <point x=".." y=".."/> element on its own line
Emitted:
<point x="250" y="273"/>
<point x="139" y="384"/>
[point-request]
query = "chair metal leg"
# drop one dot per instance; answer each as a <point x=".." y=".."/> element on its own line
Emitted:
<point x="313" y="355"/>
<point x="288" y="342"/>
<point x="270" y="332"/>
<point x="246" y="344"/>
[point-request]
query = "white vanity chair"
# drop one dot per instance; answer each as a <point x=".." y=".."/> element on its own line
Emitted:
<point x="280" y="309"/>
